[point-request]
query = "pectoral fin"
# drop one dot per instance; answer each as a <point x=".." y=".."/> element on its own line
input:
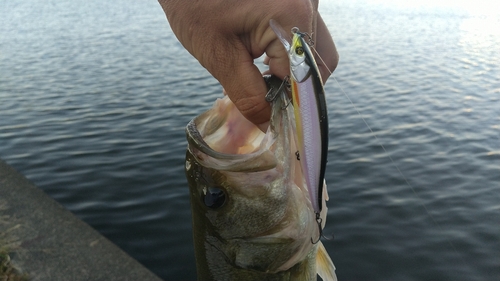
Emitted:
<point x="324" y="265"/>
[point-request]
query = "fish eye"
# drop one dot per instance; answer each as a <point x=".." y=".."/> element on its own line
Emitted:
<point x="215" y="197"/>
<point x="299" y="51"/>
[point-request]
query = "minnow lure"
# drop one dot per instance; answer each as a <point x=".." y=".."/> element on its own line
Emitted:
<point x="309" y="104"/>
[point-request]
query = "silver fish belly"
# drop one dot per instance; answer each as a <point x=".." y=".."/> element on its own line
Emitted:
<point x="252" y="216"/>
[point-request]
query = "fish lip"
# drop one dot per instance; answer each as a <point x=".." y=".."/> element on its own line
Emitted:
<point x="258" y="161"/>
<point x="196" y="139"/>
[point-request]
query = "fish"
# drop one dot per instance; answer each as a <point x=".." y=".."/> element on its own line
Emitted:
<point x="252" y="215"/>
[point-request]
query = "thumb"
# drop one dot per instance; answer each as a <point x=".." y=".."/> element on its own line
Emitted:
<point x="231" y="63"/>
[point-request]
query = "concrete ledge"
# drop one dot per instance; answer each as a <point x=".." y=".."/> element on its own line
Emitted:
<point x="49" y="243"/>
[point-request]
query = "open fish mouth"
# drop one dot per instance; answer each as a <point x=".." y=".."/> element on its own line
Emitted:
<point x="226" y="140"/>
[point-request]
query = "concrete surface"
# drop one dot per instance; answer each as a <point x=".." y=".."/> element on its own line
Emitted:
<point x="49" y="243"/>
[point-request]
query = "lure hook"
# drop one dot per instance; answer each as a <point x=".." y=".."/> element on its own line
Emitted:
<point x="319" y="220"/>
<point x="272" y="93"/>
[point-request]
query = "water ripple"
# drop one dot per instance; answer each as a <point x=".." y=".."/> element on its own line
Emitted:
<point x="94" y="99"/>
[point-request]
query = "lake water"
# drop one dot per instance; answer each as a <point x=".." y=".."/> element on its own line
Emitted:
<point x="95" y="95"/>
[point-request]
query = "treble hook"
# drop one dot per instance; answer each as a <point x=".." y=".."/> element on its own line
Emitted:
<point x="272" y="93"/>
<point x="319" y="220"/>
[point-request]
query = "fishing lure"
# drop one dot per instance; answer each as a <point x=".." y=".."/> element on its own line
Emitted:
<point x="311" y="118"/>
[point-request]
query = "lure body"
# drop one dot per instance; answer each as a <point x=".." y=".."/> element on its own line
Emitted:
<point x="310" y="112"/>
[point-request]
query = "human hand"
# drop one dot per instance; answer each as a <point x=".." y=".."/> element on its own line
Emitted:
<point x="225" y="36"/>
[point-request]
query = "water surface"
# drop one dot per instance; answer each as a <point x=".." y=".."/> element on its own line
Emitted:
<point x="95" y="95"/>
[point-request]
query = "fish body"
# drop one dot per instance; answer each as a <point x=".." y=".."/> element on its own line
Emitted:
<point x="252" y="216"/>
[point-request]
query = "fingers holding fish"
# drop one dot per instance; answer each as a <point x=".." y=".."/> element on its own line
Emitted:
<point x="248" y="91"/>
<point x="226" y="36"/>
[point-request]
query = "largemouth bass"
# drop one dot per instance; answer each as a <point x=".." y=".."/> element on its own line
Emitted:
<point x="252" y="216"/>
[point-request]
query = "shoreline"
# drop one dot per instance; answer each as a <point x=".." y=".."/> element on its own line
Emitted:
<point x="47" y="242"/>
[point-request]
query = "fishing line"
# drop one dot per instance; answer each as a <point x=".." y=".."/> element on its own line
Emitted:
<point x="389" y="156"/>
